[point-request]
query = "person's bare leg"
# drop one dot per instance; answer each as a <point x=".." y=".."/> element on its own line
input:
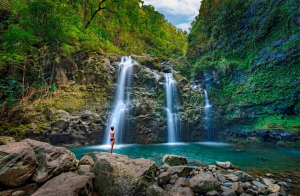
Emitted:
<point x="112" y="146"/>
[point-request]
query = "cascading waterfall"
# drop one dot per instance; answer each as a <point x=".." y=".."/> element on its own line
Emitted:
<point x="171" y="109"/>
<point x="207" y="118"/>
<point x="121" y="102"/>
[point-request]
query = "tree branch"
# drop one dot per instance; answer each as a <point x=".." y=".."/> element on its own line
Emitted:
<point x="96" y="11"/>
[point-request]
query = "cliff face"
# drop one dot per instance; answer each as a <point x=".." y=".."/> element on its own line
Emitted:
<point x="254" y="49"/>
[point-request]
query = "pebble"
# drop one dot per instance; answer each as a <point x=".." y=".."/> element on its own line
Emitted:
<point x="289" y="180"/>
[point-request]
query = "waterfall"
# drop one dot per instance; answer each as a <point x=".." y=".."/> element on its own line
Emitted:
<point x="208" y="118"/>
<point x="171" y="109"/>
<point x="122" y="100"/>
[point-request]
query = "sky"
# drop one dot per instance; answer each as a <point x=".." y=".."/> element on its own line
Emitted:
<point x="178" y="12"/>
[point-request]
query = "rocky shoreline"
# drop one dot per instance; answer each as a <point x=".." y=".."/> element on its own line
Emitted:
<point x="36" y="168"/>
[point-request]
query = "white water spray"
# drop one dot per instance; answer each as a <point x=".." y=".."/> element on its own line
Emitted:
<point x="122" y="101"/>
<point x="171" y="109"/>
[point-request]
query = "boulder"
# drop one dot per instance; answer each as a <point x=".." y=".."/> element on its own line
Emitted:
<point x="221" y="178"/>
<point x="266" y="181"/>
<point x="203" y="183"/>
<point x="6" y="140"/>
<point x="85" y="170"/>
<point x="225" y="165"/>
<point x="182" y="182"/>
<point x="163" y="178"/>
<point x="17" y="163"/>
<point x="174" y="160"/>
<point x="119" y="175"/>
<point x="86" y="160"/>
<point x="168" y="187"/>
<point x="181" y="171"/>
<point x="258" y="184"/>
<point x="212" y="193"/>
<point x="228" y="193"/>
<point x="154" y="190"/>
<point x="66" y="184"/>
<point x="51" y="160"/>
<point x="179" y="191"/>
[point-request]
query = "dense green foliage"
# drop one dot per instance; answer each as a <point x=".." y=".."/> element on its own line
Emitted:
<point x="255" y="48"/>
<point x="38" y="34"/>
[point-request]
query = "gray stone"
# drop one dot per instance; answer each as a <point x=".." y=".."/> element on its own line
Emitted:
<point x="173" y="179"/>
<point x="262" y="190"/>
<point x="182" y="182"/>
<point x="225" y="165"/>
<point x="168" y="187"/>
<point x="165" y="166"/>
<point x="258" y="184"/>
<point x="228" y="193"/>
<point x="181" y="171"/>
<point x="174" y="160"/>
<point x="66" y="184"/>
<point x="51" y="160"/>
<point x="221" y="178"/>
<point x="273" y="188"/>
<point x="237" y="188"/>
<point x="203" y="183"/>
<point x="163" y="178"/>
<point x="179" y="191"/>
<point x="232" y="177"/>
<point x="212" y="193"/>
<point x="211" y="167"/>
<point x="243" y="176"/>
<point x="266" y="181"/>
<point x="17" y="163"/>
<point x="18" y="193"/>
<point x="86" y="160"/>
<point x="119" y="175"/>
<point x="154" y="190"/>
<point x="251" y="192"/>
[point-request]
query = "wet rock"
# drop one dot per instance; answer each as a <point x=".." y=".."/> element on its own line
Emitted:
<point x="174" y="160"/>
<point x="181" y="171"/>
<point x="243" y="176"/>
<point x="182" y="182"/>
<point x="154" y="190"/>
<point x="17" y="163"/>
<point x="258" y="184"/>
<point x="86" y="160"/>
<point x="6" y="140"/>
<point x="232" y="177"/>
<point x="228" y="193"/>
<point x="51" y="160"/>
<point x="163" y="178"/>
<point x="225" y="165"/>
<point x="212" y="193"/>
<point x="203" y="183"/>
<point x="179" y="191"/>
<point x="66" y="184"/>
<point x="119" y="175"/>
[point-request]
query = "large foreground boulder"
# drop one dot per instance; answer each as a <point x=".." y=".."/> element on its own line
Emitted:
<point x="67" y="184"/>
<point x="120" y="175"/>
<point x="174" y="160"/>
<point x="203" y="183"/>
<point x="17" y="163"/>
<point x="51" y="160"/>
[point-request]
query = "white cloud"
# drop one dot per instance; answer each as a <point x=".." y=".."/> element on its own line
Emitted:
<point x="181" y="7"/>
<point x="180" y="12"/>
<point x="184" y="26"/>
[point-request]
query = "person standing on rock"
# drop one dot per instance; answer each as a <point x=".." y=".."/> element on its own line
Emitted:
<point x="112" y="139"/>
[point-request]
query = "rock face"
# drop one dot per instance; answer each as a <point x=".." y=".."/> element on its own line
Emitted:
<point x="67" y="184"/>
<point x="51" y="160"/>
<point x="174" y="160"/>
<point x="17" y="163"/>
<point x="119" y="175"/>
